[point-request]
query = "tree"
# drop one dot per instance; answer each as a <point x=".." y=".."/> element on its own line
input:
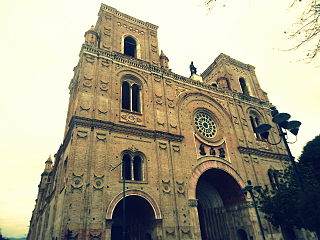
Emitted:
<point x="311" y="155"/>
<point x="305" y="32"/>
<point x="294" y="205"/>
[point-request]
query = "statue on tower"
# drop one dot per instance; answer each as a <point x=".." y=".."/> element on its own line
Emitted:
<point x="193" y="69"/>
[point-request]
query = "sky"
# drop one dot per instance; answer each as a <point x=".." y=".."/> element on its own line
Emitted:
<point x="39" y="46"/>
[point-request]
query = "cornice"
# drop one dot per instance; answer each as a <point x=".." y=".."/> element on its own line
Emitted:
<point x="113" y="127"/>
<point x="114" y="11"/>
<point x="223" y="57"/>
<point x="261" y="153"/>
<point x="121" y="59"/>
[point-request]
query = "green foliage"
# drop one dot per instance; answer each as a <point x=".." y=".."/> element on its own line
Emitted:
<point x="294" y="205"/>
<point x="311" y="155"/>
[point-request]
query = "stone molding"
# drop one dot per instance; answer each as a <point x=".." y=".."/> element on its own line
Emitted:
<point x="114" y="11"/>
<point x="122" y="60"/>
<point x="134" y="192"/>
<point x="113" y="127"/>
<point x="228" y="59"/>
<point x="211" y="164"/>
<point x="257" y="152"/>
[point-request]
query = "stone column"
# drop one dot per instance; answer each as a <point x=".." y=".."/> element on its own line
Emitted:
<point x="107" y="235"/>
<point x="157" y="229"/>
<point x="194" y="218"/>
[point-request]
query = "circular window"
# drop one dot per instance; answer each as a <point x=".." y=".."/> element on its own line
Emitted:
<point x="205" y="124"/>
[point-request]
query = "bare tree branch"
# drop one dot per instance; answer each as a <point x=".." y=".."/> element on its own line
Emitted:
<point x="306" y="32"/>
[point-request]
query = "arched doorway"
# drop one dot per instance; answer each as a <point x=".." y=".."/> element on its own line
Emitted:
<point x="242" y="234"/>
<point x="139" y="219"/>
<point x="220" y="205"/>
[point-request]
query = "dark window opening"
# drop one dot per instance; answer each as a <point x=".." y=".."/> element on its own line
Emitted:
<point x="137" y="168"/>
<point x="273" y="178"/>
<point x="214" y="85"/>
<point x="255" y="122"/>
<point x="126" y="167"/>
<point x="135" y="98"/>
<point x="130" y="47"/>
<point x="243" y="86"/>
<point x="131" y="96"/>
<point x="126" y="95"/>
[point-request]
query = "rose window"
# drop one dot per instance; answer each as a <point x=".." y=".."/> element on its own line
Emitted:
<point x="205" y="124"/>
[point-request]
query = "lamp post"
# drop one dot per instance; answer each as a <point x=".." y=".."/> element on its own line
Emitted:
<point x="251" y="190"/>
<point x="283" y="125"/>
<point x="124" y="197"/>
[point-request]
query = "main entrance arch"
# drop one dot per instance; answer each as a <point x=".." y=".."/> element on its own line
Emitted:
<point x="221" y="205"/>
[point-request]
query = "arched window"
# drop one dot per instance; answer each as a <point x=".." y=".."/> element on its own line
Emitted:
<point x="130" y="46"/>
<point x="126" y="167"/>
<point x="132" y="167"/>
<point x="243" y="86"/>
<point x="126" y="95"/>
<point x="135" y="98"/>
<point x="255" y="122"/>
<point x="131" y="96"/>
<point x="273" y="178"/>
<point x="137" y="168"/>
<point x="223" y="83"/>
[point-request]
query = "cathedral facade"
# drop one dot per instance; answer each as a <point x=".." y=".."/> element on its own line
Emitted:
<point x="150" y="154"/>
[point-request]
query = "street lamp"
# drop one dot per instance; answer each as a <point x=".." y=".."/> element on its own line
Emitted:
<point x="124" y="197"/>
<point x="283" y="125"/>
<point x="252" y="190"/>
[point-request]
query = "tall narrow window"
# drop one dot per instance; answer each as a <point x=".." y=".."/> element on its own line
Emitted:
<point x="126" y="95"/>
<point x="130" y="46"/>
<point x="132" y="166"/>
<point x="273" y="178"/>
<point x="137" y="168"/>
<point x="135" y="98"/>
<point x="255" y="122"/>
<point x="243" y="86"/>
<point x="126" y="167"/>
<point x="131" y="96"/>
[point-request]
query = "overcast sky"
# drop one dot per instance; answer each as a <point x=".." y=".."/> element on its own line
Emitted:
<point x="39" y="46"/>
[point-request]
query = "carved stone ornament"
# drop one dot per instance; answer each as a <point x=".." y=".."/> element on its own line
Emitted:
<point x="95" y="236"/>
<point x="87" y="83"/>
<point x="170" y="231"/>
<point x="180" y="90"/>
<point x="101" y="137"/>
<point x="108" y="17"/>
<point x="77" y="181"/>
<point x="107" y="31"/>
<point x="133" y="149"/>
<point x="106" y="45"/>
<point x="180" y="187"/>
<point x="157" y="78"/>
<point x="130" y="28"/>
<point x="105" y="63"/>
<point x="158" y="100"/>
<point x="175" y="148"/>
<point x="104" y="87"/>
<point x="86" y="77"/>
<point x="89" y="59"/>
<point x="193" y="202"/>
<point x="82" y="134"/>
<point x="153" y="33"/>
<point x="166" y="187"/>
<point x="185" y="230"/>
<point x="98" y="182"/>
<point x="162" y="145"/>
<point x="131" y="118"/>
<point x="170" y="103"/>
